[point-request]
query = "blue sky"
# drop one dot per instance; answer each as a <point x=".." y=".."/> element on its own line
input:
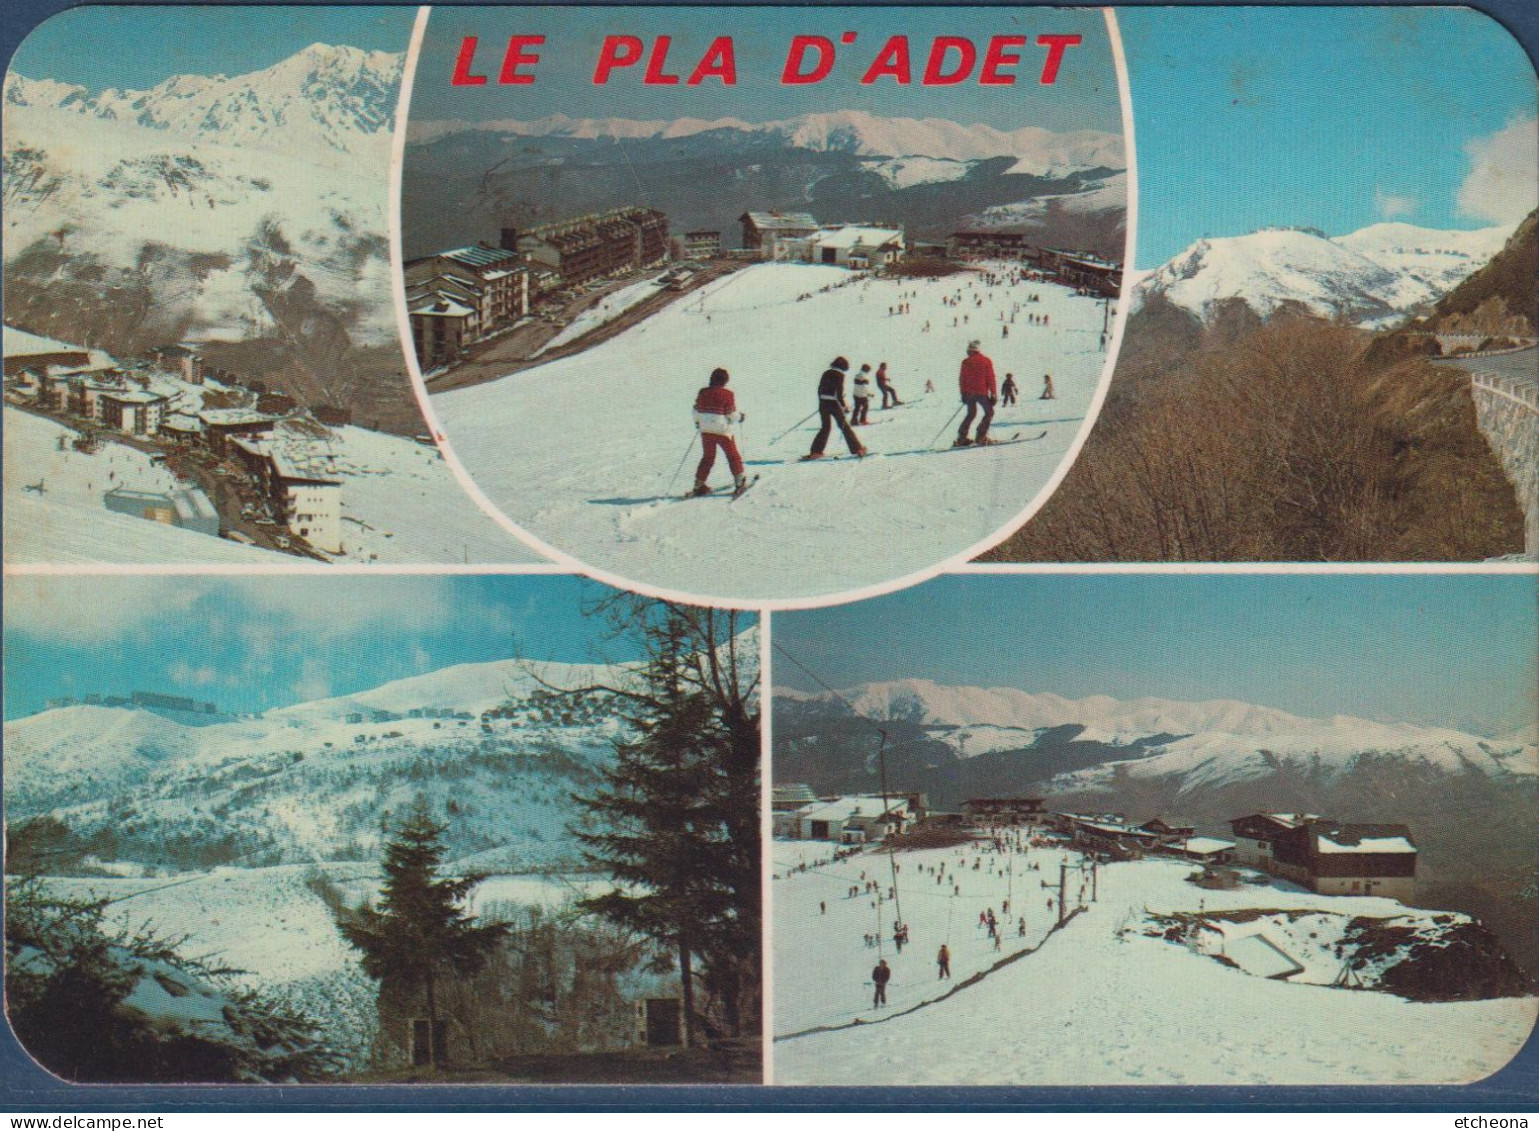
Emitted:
<point x="1435" y="650"/>
<point x="1084" y="97"/>
<point x="257" y="643"/>
<point x="136" y="47"/>
<point x="1333" y="118"/>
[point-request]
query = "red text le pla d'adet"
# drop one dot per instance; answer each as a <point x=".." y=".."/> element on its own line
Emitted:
<point x="947" y="60"/>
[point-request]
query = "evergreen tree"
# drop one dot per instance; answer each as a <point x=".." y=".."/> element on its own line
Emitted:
<point x="68" y="984"/>
<point x="420" y="930"/>
<point x="675" y="821"/>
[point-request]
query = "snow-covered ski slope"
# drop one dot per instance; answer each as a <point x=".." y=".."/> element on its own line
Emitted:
<point x="1099" y="1003"/>
<point x="269" y="922"/>
<point x="400" y="505"/>
<point x="579" y="452"/>
<point x="54" y="510"/>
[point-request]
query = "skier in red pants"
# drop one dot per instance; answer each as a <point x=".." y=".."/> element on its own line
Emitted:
<point x="716" y="416"/>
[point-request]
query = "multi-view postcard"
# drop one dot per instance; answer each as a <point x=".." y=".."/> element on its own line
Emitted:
<point x="866" y="546"/>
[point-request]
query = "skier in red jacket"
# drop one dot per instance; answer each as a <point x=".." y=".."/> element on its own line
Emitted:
<point x="716" y="416"/>
<point x="978" y="393"/>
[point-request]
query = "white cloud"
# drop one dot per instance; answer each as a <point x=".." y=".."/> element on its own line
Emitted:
<point x="186" y="675"/>
<point x="84" y="610"/>
<point x="331" y="608"/>
<point x="314" y="681"/>
<point x="1392" y="204"/>
<point x="1503" y="182"/>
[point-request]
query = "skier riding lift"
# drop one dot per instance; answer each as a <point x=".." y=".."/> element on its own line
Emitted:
<point x="716" y="416"/>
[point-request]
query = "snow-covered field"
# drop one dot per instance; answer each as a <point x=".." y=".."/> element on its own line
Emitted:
<point x="580" y="451"/>
<point x="65" y="520"/>
<point x="1099" y="1003"/>
<point x="268" y="922"/>
<point x="605" y="310"/>
<point x="400" y="505"/>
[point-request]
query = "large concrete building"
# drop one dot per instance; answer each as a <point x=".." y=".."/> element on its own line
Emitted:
<point x="1330" y="857"/>
<point x="589" y="247"/>
<point x="457" y="297"/>
<point x="764" y="232"/>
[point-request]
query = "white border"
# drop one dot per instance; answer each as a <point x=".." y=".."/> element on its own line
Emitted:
<point x="763" y="605"/>
<point x="766" y="863"/>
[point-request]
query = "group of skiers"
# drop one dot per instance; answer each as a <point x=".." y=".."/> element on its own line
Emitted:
<point x="832" y="407"/>
<point x="1010" y="391"/>
<point x="717" y="414"/>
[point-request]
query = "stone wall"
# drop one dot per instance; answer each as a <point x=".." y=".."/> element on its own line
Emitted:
<point x="1508" y="411"/>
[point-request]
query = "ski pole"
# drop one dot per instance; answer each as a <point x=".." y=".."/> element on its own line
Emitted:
<point x="946" y="425"/>
<point x="794" y="427"/>
<point x="669" y="489"/>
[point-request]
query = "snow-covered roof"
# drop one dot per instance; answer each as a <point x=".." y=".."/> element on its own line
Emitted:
<point x="843" y="808"/>
<point x="182" y="422"/>
<point x="854" y="235"/>
<point x="23" y="343"/>
<point x="1205" y="845"/>
<point x="440" y="306"/>
<point x="1364" y="844"/>
<point x="228" y="417"/>
<point x="782" y="221"/>
<point x="479" y="255"/>
<point x="133" y="396"/>
<point x="1260" y="956"/>
<point x="291" y="462"/>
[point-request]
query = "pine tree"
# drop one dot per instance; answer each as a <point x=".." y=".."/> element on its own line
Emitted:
<point x="675" y="821"/>
<point x="420" y="930"/>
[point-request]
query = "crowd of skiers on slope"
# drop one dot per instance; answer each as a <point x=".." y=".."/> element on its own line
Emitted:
<point x="1000" y="851"/>
<point x="717" y="414"/>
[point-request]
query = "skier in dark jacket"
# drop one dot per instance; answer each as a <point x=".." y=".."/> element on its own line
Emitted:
<point x="716" y="416"/>
<point x="879" y="978"/>
<point x="831" y="408"/>
<point x="943" y="961"/>
<point x="884" y="386"/>
<point x="1007" y="391"/>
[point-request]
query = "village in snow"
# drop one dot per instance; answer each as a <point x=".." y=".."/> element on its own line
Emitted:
<point x="1028" y="946"/>
<point x="96" y="445"/>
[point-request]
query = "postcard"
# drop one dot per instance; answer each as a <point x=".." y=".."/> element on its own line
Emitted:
<point x="890" y="547"/>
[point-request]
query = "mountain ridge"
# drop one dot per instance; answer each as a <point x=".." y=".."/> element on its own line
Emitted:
<point x="1373" y="276"/>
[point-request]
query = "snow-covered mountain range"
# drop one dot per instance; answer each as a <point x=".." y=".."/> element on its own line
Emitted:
<point x="1190" y="746"/>
<point x="324" y="98"/>
<point x="1373" y="276"/>
<point x="314" y="780"/>
<point x="949" y="145"/>
<point x="205" y="208"/>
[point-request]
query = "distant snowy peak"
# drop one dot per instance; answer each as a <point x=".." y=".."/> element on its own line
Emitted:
<point x="1038" y="152"/>
<point x="1370" y="277"/>
<point x="1215" y="738"/>
<point x="926" y="702"/>
<point x="463" y="687"/>
<point x="338" y="99"/>
<point x="1439" y="259"/>
<point x="1105" y="194"/>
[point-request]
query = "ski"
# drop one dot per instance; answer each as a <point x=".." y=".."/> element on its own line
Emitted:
<point x="720" y="491"/>
<point x="1013" y="438"/>
<point x="736" y="494"/>
<point x="825" y="459"/>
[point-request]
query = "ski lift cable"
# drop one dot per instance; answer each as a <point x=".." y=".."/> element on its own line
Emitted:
<point x="881" y="754"/>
